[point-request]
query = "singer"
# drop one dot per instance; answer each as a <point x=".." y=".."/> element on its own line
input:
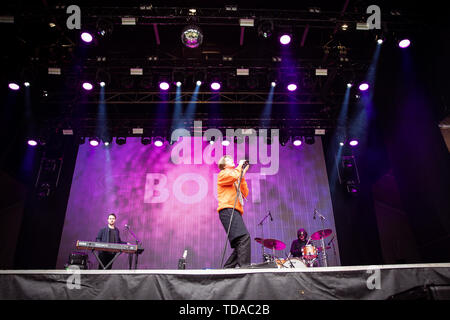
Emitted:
<point x="227" y="191"/>
<point x="108" y="234"/>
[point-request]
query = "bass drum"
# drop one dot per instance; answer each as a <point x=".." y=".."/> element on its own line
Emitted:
<point x="296" y="263"/>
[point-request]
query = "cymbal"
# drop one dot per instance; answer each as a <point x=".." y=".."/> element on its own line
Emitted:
<point x="321" y="234"/>
<point x="272" y="243"/>
<point x="320" y="248"/>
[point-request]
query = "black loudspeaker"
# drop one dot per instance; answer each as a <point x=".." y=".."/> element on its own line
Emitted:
<point x="264" y="265"/>
<point x="429" y="292"/>
<point x="79" y="259"/>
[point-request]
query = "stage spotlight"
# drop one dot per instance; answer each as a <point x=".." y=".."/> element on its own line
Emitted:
<point x="297" y="141"/>
<point x="102" y="84"/>
<point x="94" y="142"/>
<point x="285" y="39"/>
<point x="215" y="85"/>
<point x="273" y="84"/>
<point x="404" y="43"/>
<point x="309" y="139"/>
<point x="158" y="141"/>
<point x="225" y="143"/>
<point x="87" y="86"/>
<point x="178" y="84"/>
<point x="164" y="85"/>
<point x="13" y="86"/>
<point x="292" y="87"/>
<point x="352" y="189"/>
<point x="198" y="83"/>
<point x="146" y="140"/>
<point x="363" y="86"/>
<point x="349" y="85"/>
<point x="86" y="37"/>
<point x="121" y="140"/>
<point x="107" y="140"/>
<point x="341" y="144"/>
<point x="104" y="27"/>
<point x="26" y="84"/>
<point x="192" y="36"/>
<point x="32" y="142"/>
<point x="353" y="142"/>
<point x="265" y="29"/>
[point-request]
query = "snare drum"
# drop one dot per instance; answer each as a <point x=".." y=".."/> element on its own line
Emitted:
<point x="309" y="252"/>
<point x="296" y="263"/>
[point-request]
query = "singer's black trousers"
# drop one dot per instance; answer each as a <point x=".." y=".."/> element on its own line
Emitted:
<point x="239" y="239"/>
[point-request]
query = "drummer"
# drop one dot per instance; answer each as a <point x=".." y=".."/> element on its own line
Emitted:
<point x="301" y="241"/>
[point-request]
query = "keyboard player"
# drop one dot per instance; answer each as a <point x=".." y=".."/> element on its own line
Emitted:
<point x="108" y="234"/>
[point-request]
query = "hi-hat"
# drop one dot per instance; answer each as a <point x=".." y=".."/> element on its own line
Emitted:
<point x="272" y="243"/>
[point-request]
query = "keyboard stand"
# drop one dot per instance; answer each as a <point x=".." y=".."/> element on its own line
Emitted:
<point x="101" y="263"/>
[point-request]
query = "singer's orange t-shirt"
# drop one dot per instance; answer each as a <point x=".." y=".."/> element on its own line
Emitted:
<point x="226" y="191"/>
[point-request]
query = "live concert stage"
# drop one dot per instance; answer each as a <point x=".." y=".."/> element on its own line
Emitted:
<point x="414" y="281"/>
<point x="190" y="150"/>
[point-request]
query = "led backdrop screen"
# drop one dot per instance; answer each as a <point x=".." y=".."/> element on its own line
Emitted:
<point x="167" y="197"/>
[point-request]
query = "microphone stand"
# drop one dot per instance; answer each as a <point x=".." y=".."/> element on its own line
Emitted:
<point x="130" y="256"/>
<point x="232" y="213"/>
<point x="323" y="241"/>
<point x="262" y="232"/>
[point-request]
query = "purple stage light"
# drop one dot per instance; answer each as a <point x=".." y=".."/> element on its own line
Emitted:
<point x="158" y="142"/>
<point x="93" y="142"/>
<point x="292" y="87"/>
<point x="297" y="143"/>
<point x="215" y="86"/>
<point x="285" y="39"/>
<point x="87" y="86"/>
<point x="363" y="86"/>
<point x="32" y="142"/>
<point x="404" y="43"/>
<point x="86" y="37"/>
<point x="164" y="85"/>
<point x="353" y="143"/>
<point x="13" y="86"/>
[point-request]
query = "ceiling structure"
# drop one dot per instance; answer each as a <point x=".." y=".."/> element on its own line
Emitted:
<point x="39" y="39"/>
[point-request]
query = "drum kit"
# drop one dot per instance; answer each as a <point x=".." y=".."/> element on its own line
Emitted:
<point x="310" y="253"/>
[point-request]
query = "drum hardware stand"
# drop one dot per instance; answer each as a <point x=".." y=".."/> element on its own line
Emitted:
<point x="334" y="250"/>
<point x="130" y="255"/>
<point x="323" y="242"/>
<point x="238" y="191"/>
<point x="262" y="240"/>
<point x="290" y="261"/>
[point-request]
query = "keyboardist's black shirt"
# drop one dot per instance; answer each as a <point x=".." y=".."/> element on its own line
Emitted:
<point x="112" y="236"/>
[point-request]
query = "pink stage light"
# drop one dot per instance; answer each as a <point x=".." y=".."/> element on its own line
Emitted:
<point x="285" y="39"/>
<point x="404" y="43"/>
<point x="215" y="86"/>
<point x="13" y="86"/>
<point x="292" y="87"/>
<point x="87" y="86"/>
<point x="353" y="143"/>
<point x="363" y="86"/>
<point x="164" y="86"/>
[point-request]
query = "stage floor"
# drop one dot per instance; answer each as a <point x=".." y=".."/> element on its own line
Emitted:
<point x="371" y="282"/>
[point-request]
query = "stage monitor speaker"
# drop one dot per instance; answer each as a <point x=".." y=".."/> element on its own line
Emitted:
<point x="79" y="259"/>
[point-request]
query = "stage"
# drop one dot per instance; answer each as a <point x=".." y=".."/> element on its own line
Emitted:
<point x="376" y="282"/>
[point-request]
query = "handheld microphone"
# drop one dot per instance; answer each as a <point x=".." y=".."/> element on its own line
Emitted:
<point x="271" y="219"/>
<point x="246" y="163"/>
<point x="184" y="254"/>
<point x="315" y="210"/>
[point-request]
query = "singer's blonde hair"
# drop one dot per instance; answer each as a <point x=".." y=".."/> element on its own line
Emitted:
<point x="221" y="162"/>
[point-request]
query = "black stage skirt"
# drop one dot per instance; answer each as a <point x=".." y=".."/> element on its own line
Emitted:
<point x="237" y="225"/>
